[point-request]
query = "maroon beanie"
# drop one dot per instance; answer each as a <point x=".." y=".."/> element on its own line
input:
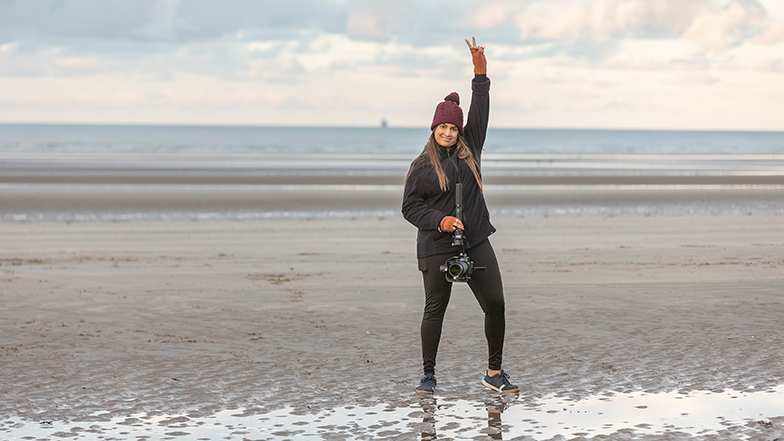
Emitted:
<point x="449" y="111"/>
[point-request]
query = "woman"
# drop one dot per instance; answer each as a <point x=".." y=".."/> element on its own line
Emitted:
<point x="452" y="155"/>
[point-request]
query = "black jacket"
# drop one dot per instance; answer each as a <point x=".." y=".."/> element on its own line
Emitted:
<point x="424" y="204"/>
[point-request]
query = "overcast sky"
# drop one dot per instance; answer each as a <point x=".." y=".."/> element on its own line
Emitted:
<point x="661" y="64"/>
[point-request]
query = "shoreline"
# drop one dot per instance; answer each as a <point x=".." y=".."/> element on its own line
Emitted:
<point x="379" y="178"/>
<point x="87" y="202"/>
<point x="385" y="169"/>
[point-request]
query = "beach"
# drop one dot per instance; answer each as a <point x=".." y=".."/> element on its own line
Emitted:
<point x="107" y="319"/>
<point x="199" y="295"/>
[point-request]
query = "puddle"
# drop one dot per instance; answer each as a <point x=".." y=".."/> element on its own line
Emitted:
<point x="428" y="418"/>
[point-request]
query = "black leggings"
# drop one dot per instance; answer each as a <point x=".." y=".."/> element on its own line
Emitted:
<point x="488" y="290"/>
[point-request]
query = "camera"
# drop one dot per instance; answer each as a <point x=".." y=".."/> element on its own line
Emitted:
<point x="459" y="268"/>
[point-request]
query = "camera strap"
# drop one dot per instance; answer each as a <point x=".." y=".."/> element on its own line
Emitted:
<point x="454" y="160"/>
<point x="458" y="237"/>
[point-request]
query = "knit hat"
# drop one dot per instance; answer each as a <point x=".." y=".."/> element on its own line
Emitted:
<point x="449" y="111"/>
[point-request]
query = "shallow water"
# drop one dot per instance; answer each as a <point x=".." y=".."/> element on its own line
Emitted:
<point x="635" y="414"/>
<point x="379" y="201"/>
<point x="396" y="164"/>
<point x="83" y="138"/>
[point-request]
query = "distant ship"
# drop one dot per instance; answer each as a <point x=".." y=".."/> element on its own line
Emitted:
<point x="383" y="124"/>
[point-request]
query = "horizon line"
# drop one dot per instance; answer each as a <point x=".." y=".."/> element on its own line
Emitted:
<point x="379" y="126"/>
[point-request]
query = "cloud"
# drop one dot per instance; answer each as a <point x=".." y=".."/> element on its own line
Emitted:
<point x="277" y="41"/>
<point x="166" y="20"/>
<point x="90" y="19"/>
<point x="714" y="24"/>
<point x="287" y="57"/>
<point x="728" y="27"/>
<point x="774" y="34"/>
<point x="598" y="20"/>
<point x="771" y="65"/>
<point x="376" y="20"/>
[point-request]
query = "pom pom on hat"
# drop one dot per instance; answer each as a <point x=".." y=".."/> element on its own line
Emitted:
<point x="449" y="111"/>
<point x="454" y="97"/>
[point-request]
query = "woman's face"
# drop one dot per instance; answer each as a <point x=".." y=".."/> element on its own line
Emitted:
<point x="446" y="134"/>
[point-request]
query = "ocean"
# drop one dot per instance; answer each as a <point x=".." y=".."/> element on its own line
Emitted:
<point x="110" y="172"/>
<point x="109" y="139"/>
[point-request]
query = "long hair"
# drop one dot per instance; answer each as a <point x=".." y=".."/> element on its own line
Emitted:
<point x="430" y="155"/>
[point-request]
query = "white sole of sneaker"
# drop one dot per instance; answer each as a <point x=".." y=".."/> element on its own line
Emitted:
<point x="499" y="390"/>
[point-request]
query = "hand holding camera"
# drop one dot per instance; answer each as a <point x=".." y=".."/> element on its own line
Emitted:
<point x="449" y="223"/>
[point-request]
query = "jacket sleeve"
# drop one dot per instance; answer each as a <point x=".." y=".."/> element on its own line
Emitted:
<point x="475" y="129"/>
<point x="415" y="208"/>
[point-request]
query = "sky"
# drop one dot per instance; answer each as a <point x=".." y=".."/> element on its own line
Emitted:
<point x="627" y="64"/>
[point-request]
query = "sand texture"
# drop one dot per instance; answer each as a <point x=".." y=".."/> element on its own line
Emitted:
<point x="198" y="317"/>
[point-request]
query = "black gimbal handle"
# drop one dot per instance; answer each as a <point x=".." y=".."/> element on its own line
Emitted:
<point x="459" y="201"/>
<point x="457" y="238"/>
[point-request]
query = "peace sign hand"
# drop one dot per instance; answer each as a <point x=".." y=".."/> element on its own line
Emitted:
<point x="478" y="56"/>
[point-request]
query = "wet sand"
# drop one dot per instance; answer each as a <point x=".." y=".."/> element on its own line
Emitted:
<point x="77" y="187"/>
<point x="169" y="318"/>
<point x="61" y="202"/>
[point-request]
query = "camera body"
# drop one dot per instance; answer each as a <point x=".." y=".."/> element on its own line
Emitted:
<point x="458" y="268"/>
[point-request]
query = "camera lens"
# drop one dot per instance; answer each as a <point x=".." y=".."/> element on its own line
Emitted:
<point x="457" y="269"/>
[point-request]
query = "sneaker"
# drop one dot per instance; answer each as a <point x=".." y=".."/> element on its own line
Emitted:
<point x="499" y="383"/>
<point x="427" y="385"/>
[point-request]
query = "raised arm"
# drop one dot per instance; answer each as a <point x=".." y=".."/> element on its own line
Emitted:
<point x="479" y="112"/>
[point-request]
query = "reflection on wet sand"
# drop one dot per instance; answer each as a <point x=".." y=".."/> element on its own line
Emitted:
<point x="494" y="405"/>
<point x="641" y="415"/>
<point x="697" y="413"/>
<point x="429" y="405"/>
